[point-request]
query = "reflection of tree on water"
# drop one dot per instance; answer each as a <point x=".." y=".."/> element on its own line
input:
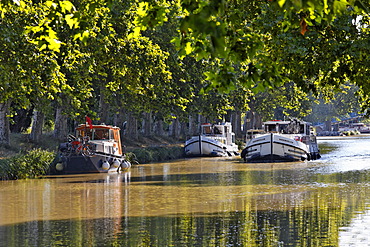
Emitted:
<point x="311" y="219"/>
<point x="313" y="225"/>
<point x="81" y="215"/>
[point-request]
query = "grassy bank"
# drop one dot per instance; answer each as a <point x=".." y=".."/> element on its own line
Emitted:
<point x="155" y="148"/>
<point x="25" y="159"/>
<point x="160" y="153"/>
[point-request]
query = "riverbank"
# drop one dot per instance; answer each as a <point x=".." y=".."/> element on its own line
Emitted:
<point x="25" y="159"/>
<point x="154" y="148"/>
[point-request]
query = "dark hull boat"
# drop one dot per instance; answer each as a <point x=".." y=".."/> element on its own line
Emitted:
<point x="96" y="149"/>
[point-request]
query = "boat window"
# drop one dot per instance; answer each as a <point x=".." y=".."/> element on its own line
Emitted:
<point x="84" y="133"/>
<point x="270" y="127"/>
<point x="283" y="128"/>
<point x="207" y="130"/>
<point x="101" y="134"/>
<point x="217" y="130"/>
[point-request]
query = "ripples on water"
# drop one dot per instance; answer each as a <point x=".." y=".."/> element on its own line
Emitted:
<point x="350" y="153"/>
<point x="198" y="202"/>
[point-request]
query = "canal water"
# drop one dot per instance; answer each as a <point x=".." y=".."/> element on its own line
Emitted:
<point x="199" y="202"/>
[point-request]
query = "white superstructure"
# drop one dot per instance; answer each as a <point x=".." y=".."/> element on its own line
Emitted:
<point x="214" y="140"/>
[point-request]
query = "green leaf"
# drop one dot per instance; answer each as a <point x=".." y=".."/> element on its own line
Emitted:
<point x="54" y="44"/>
<point x="50" y="4"/>
<point x="281" y="3"/>
<point x="66" y="6"/>
<point x="188" y="48"/>
<point x="72" y="22"/>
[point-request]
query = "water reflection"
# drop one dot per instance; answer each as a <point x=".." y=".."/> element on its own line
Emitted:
<point x="196" y="202"/>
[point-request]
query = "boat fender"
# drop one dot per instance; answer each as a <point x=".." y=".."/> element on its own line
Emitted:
<point x="115" y="163"/>
<point x="313" y="156"/>
<point x="309" y="157"/>
<point x="125" y="164"/>
<point x="244" y="153"/>
<point x="59" y="167"/>
<point x="105" y="165"/>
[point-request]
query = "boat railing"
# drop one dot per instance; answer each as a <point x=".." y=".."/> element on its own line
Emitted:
<point x="77" y="147"/>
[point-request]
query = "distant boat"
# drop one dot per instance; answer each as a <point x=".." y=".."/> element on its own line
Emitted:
<point x="361" y="127"/>
<point x="281" y="141"/>
<point x="214" y="140"/>
<point x="95" y="149"/>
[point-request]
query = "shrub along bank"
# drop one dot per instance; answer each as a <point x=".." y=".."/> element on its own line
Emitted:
<point x="32" y="164"/>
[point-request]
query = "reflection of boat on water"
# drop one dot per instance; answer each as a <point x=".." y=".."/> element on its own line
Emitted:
<point x="97" y="148"/>
<point x="282" y="141"/>
<point x="214" y="140"/>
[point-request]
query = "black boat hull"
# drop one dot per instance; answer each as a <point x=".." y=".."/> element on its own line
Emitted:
<point x="77" y="164"/>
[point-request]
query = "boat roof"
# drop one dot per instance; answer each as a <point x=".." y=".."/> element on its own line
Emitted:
<point x="97" y="126"/>
<point x="208" y="124"/>
<point x="283" y="122"/>
<point x="255" y="131"/>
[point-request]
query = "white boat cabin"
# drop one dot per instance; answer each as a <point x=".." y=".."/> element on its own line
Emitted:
<point x="223" y="131"/>
<point x="295" y="127"/>
<point x="287" y="127"/>
<point x="106" y="138"/>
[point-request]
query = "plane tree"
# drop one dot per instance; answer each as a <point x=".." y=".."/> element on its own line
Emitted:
<point x="337" y="107"/>
<point x="256" y="44"/>
<point x="28" y="76"/>
<point x="313" y="43"/>
<point x="287" y="101"/>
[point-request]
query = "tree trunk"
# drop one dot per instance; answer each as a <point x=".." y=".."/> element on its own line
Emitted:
<point x="61" y="125"/>
<point x="258" y="121"/>
<point x="327" y="125"/>
<point x="183" y="129"/>
<point x="201" y="120"/>
<point x="4" y="123"/>
<point x="131" y="130"/>
<point x="253" y="121"/>
<point x="158" y="128"/>
<point x="192" y="126"/>
<point x="22" y="120"/>
<point x="147" y="124"/>
<point x="118" y="120"/>
<point x="175" y="128"/>
<point x="236" y="123"/>
<point x="37" y="125"/>
<point x="103" y="108"/>
<point x="229" y="117"/>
